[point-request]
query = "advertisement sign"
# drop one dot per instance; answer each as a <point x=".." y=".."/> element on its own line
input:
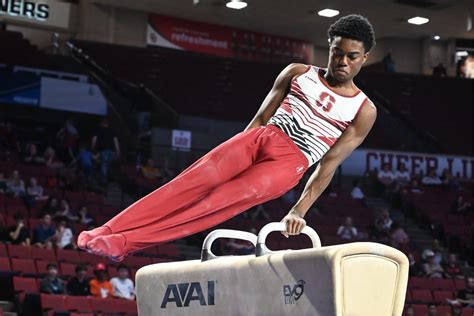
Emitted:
<point x="19" y="88"/>
<point x="224" y="41"/>
<point x="363" y="160"/>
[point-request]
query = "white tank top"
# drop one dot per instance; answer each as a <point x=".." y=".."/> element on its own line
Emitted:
<point x="313" y="115"/>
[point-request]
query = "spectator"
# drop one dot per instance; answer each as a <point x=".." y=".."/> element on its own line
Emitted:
<point x="448" y="179"/>
<point x="65" y="212"/>
<point x="51" y="284"/>
<point x="414" y="268"/>
<point x="356" y="192"/>
<point x="438" y="251"/>
<point x="399" y="236"/>
<point x="123" y="285"/>
<point x="414" y="186"/>
<point x="84" y="217"/>
<point x="410" y="311"/>
<point x="78" y="285"/>
<point x="100" y="285"/>
<point x="105" y="141"/>
<point x="388" y="64"/>
<point x="439" y="71"/>
<point x="34" y="192"/>
<point x="32" y="156"/>
<point x="68" y="136"/>
<point x="379" y="233"/>
<point x="386" y="220"/>
<point x="19" y="234"/>
<point x="4" y="232"/>
<point x="386" y="176"/>
<point x="402" y="176"/>
<point x="3" y="183"/>
<point x="51" y="160"/>
<point x="15" y="186"/>
<point x="44" y="233"/>
<point x="460" y="206"/>
<point x="431" y="269"/>
<point x="431" y="178"/>
<point x="465" y="297"/>
<point x="432" y="310"/>
<point x="64" y="236"/>
<point x="51" y="206"/>
<point x="149" y="171"/>
<point x="85" y="158"/>
<point x="452" y="267"/>
<point x="348" y="230"/>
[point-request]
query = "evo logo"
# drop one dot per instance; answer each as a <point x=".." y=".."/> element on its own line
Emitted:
<point x="292" y="294"/>
<point x="182" y="294"/>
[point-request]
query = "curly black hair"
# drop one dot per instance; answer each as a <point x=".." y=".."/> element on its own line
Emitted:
<point x="354" y="26"/>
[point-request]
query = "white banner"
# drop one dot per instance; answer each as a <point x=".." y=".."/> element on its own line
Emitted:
<point x="363" y="160"/>
<point x="181" y="140"/>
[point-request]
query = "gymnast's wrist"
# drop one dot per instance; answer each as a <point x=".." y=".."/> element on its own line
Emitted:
<point x="297" y="213"/>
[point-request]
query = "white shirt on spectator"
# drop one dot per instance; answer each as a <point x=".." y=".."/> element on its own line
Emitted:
<point x="65" y="239"/>
<point x="431" y="180"/>
<point x="347" y="233"/>
<point x="357" y="193"/>
<point x="386" y="176"/>
<point x="123" y="288"/>
<point x="402" y="178"/>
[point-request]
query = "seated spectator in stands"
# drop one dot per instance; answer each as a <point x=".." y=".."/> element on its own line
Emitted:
<point x="415" y="187"/>
<point x="402" y="176"/>
<point x="379" y="234"/>
<point x="15" y="186"/>
<point x="123" y="285"/>
<point x="78" y="285"/>
<point x="386" y="220"/>
<point x="51" y="160"/>
<point x="437" y="250"/>
<point x="84" y="217"/>
<point x="100" y="285"/>
<point x="85" y="158"/>
<point x="452" y="267"/>
<point x="347" y="231"/>
<point x="32" y="155"/>
<point x="4" y="232"/>
<point x="431" y="178"/>
<point x="432" y="310"/>
<point x="399" y="236"/>
<point x="431" y="269"/>
<point x="386" y="176"/>
<point x="439" y="70"/>
<point x="52" y="284"/>
<point x="64" y="236"/>
<point x="259" y="213"/>
<point x="460" y="206"/>
<point x="105" y="141"/>
<point x="388" y="64"/>
<point x="34" y="192"/>
<point x="356" y="192"/>
<point x="465" y="297"/>
<point x="19" y="234"/>
<point x="3" y="183"/>
<point x="410" y="311"/>
<point x="149" y="171"/>
<point x="64" y="212"/>
<point x="414" y="268"/>
<point x="44" y="233"/>
<point x="51" y="206"/>
<point x="448" y="179"/>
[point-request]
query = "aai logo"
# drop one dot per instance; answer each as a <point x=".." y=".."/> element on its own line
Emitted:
<point x="182" y="294"/>
<point x="292" y="294"/>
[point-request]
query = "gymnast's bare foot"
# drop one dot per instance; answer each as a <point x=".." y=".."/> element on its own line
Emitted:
<point x="111" y="246"/>
<point x="87" y="236"/>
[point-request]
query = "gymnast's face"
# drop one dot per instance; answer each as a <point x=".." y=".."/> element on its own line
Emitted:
<point x="346" y="57"/>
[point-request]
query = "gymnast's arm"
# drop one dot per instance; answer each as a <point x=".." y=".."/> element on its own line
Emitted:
<point x="350" y="139"/>
<point x="276" y="95"/>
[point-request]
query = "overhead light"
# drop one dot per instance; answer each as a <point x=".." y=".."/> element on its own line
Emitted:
<point x="462" y="53"/>
<point x="236" y="4"/>
<point x="436" y="37"/>
<point x="418" y="20"/>
<point x="329" y="13"/>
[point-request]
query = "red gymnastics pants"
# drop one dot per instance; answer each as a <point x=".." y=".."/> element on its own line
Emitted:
<point x="252" y="167"/>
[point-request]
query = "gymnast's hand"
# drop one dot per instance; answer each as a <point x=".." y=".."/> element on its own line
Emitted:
<point x="294" y="223"/>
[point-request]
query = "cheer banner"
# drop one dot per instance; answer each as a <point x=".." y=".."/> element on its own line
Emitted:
<point x="224" y="41"/>
<point x="362" y="160"/>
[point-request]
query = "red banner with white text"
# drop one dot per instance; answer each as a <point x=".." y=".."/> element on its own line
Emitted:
<point x="225" y="41"/>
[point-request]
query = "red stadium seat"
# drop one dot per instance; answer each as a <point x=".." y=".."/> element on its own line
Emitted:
<point x="419" y="283"/>
<point x="420" y="310"/>
<point x="71" y="256"/>
<point x="112" y="271"/>
<point x="21" y="286"/>
<point x="460" y="284"/>
<point x="3" y="250"/>
<point x="24" y="266"/>
<point x="137" y="262"/>
<point x="17" y="251"/>
<point x="421" y="296"/>
<point x="441" y="296"/>
<point x="103" y="305"/>
<point x="444" y="284"/>
<point x="67" y="269"/>
<point x="53" y="302"/>
<point x="443" y="310"/>
<point x="126" y="306"/>
<point x="467" y="311"/>
<point x="90" y="258"/>
<point x="43" y="254"/>
<point x="41" y="266"/>
<point x="5" y="264"/>
<point x="78" y="304"/>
